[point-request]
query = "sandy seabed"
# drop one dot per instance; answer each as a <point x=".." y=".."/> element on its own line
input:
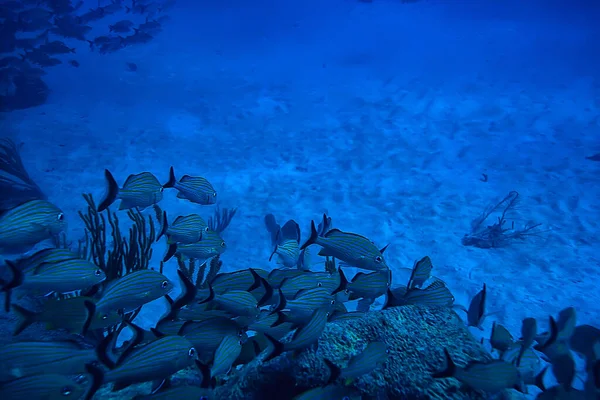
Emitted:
<point x="387" y="127"/>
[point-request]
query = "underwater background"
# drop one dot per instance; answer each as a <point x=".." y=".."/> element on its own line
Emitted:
<point x="401" y="120"/>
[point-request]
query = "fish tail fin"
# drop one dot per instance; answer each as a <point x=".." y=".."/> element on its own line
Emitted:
<point x="90" y="308"/>
<point x="113" y="191"/>
<point x="207" y="380"/>
<point x="313" y="236"/>
<point x="390" y="300"/>
<point x="91" y="44"/>
<point x="268" y="292"/>
<point x="450" y="367"/>
<point x="211" y="295"/>
<point x="172" y="180"/>
<point x="334" y="372"/>
<point x="102" y="351"/>
<point x="171" y="250"/>
<point x="16" y="280"/>
<point x="164" y="226"/>
<point x="97" y="375"/>
<point x="26" y="318"/>
<point x="273" y="253"/>
<point x="343" y="282"/>
<point x="278" y="348"/>
<point x="281" y="303"/>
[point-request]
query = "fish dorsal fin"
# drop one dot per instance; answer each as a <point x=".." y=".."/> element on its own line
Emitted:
<point x="178" y="219"/>
<point x="332" y="232"/>
<point x="185" y="178"/>
<point x="336" y="231"/>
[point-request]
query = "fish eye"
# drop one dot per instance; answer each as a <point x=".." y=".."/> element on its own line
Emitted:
<point x="241" y="342"/>
<point x="346" y="291"/>
<point x="378" y="259"/>
<point x="319" y="284"/>
<point x="214" y="194"/>
<point x="80" y="378"/>
<point x="222" y="244"/>
<point x="66" y="391"/>
<point x="192" y="352"/>
<point x="332" y="302"/>
<point x="98" y="272"/>
<point x="60" y="216"/>
<point x="164" y="284"/>
<point x="241" y="333"/>
<point x="206" y="229"/>
<point x="104" y="317"/>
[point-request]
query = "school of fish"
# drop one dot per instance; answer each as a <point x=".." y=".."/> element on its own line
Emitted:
<point x="242" y="315"/>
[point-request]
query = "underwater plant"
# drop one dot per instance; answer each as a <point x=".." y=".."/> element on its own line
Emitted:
<point x="202" y="277"/>
<point x="125" y="254"/>
<point x="221" y="220"/>
<point x="499" y="234"/>
<point x="16" y="186"/>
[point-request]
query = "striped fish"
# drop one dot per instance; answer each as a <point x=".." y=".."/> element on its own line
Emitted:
<point x="347" y="316"/>
<point x="211" y="245"/>
<point x="374" y="355"/>
<point x="421" y="272"/>
<point x="277" y="276"/>
<point x="265" y="323"/>
<point x="528" y="333"/>
<point x="207" y="335"/>
<point x="436" y="294"/>
<point x="134" y="290"/>
<point x="139" y="190"/>
<point x="61" y="277"/>
<point x="200" y="313"/>
<point x="228" y="351"/>
<point x="185" y="229"/>
<point x="490" y="377"/>
<point x="368" y="286"/>
<point x="476" y="312"/>
<point x="303" y="306"/>
<point x="47" y="386"/>
<point x="244" y="279"/>
<point x="500" y="339"/>
<point x="530" y="364"/>
<point x="238" y="303"/>
<point x="50" y="255"/>
<point x="29" y="224"/>
<point x="307" y="280"/>
<point x="350" y="248"/>
<point x="21" y="359"/>
<point x="310" y="333"/>
<point x="287" y="245"/>
<point x="193" y="188"/>
<point x="154" y="361"/>
<point x="74" y="314"/>
<point x="305" y="336"/>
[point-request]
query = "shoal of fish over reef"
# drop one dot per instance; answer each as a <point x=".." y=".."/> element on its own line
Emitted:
<point x="224" y="323"/>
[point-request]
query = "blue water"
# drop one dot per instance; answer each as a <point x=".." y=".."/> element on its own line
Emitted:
<point x="384" y="115"/>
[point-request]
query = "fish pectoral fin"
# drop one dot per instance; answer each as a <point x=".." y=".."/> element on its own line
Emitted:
<point x="181" y="196"/>
<point x="324" y="253"/>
